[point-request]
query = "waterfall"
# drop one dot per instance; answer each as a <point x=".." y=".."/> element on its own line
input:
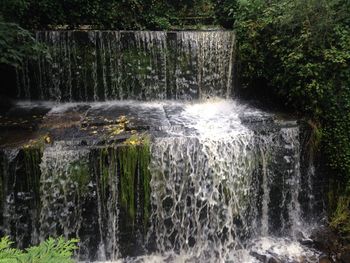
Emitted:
<point x="63" y="170"/>
<point x="199" y="201"/>
<point x="206" y="191"/>
<point x="218" y="180"/>
<point x="138" y="147"/>
<point x="142" y="65"/>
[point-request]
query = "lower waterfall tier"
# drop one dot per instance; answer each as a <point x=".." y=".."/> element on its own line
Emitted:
<point x="167" y="181"/>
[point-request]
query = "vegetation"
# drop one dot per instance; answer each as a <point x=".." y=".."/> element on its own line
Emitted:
<point x="19" y="16"/>
<point x="340" y="219"/>
<point x="130" y="162"/>
<point x="16" y="44"/>
<point x="107" y="14"/>
<point x="299" y="52"/>
<point x="50" y="251"/>
<point x="134" y="159"/>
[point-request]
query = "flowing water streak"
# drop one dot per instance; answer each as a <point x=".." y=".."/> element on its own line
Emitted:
<point x="266" y="195"/>
<point x="291" y="138"/>
<point x="19" y="176"/>
<point x="151" y="63"/>
<point x="8" y="156"/>
<point x="59" y="213"/>
<point x="188" y="190"/>
<point x="143" y="65"/>
<point x="310" y="187"/>
<point x="211" y="53"/>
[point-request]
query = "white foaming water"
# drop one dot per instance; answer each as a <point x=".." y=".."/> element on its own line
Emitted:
<point x="214" y="119"/>
<point x="285" y="249"/>
<point x="265" y="249"/>
<point x="205" y="186"/>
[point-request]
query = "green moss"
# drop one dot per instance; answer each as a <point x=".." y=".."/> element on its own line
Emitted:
<point x="137" y="60"/>
<point x="128" y="164"/>
<point x="32" y="158"/>
<point x="340" y="219"/>
<point x="38" y="143"/>
<point x="104" y="172"/>
<point x="145" y="158"/>
<point x="80" y="174"/>
<point x="134" y="161"/>
<point x="142" y="139"/>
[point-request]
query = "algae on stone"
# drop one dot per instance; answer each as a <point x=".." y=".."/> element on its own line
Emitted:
<point x="80" y="174"/>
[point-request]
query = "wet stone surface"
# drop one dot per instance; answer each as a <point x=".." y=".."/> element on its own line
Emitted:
<point x="106" y="122"/>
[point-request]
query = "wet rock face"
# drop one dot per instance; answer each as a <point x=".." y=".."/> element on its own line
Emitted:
<point x="324" y="259"/>
<point x="5" y="104"/>
<point x="324" y="239"/>
<point x="331" y="244"/>
<point x="345" y="254"/>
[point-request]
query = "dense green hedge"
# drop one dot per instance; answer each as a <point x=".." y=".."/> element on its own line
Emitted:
<point x="107" y="14"/>
<point x="19" y="16"/>
<point x="299" y="51"/>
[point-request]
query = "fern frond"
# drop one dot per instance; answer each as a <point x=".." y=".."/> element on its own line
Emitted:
<point x="50" y="251"/>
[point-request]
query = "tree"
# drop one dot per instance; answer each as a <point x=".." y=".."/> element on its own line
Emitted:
<point x="300" y="51"/>
<point x="17" y="44"/>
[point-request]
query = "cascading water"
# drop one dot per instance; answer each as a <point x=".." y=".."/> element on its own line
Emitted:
<point x="58" y="190"/>
<point x="205" y="186"/>
<point x="210" y="180"/>
<point x="143" y="65"/>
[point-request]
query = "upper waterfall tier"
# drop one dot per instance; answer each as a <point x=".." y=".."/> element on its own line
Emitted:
<point x="142" y="65"/>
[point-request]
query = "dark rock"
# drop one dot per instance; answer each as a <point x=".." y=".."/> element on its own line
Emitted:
<point x="300" y="235"/>
<point x="345" y="254"/>
<point x="5" y="104"/>
<point x="334" y="247"/>
<point x="324" y="259"/>
<point x="273" y="260"/>
<point x="304" y="240"/>
<point x="264" y="258"/>
<point x="137" y="127"/>
<point x="258" y="256"/>
<point x="325" y="240"/>
<point x="307" y="242"/>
